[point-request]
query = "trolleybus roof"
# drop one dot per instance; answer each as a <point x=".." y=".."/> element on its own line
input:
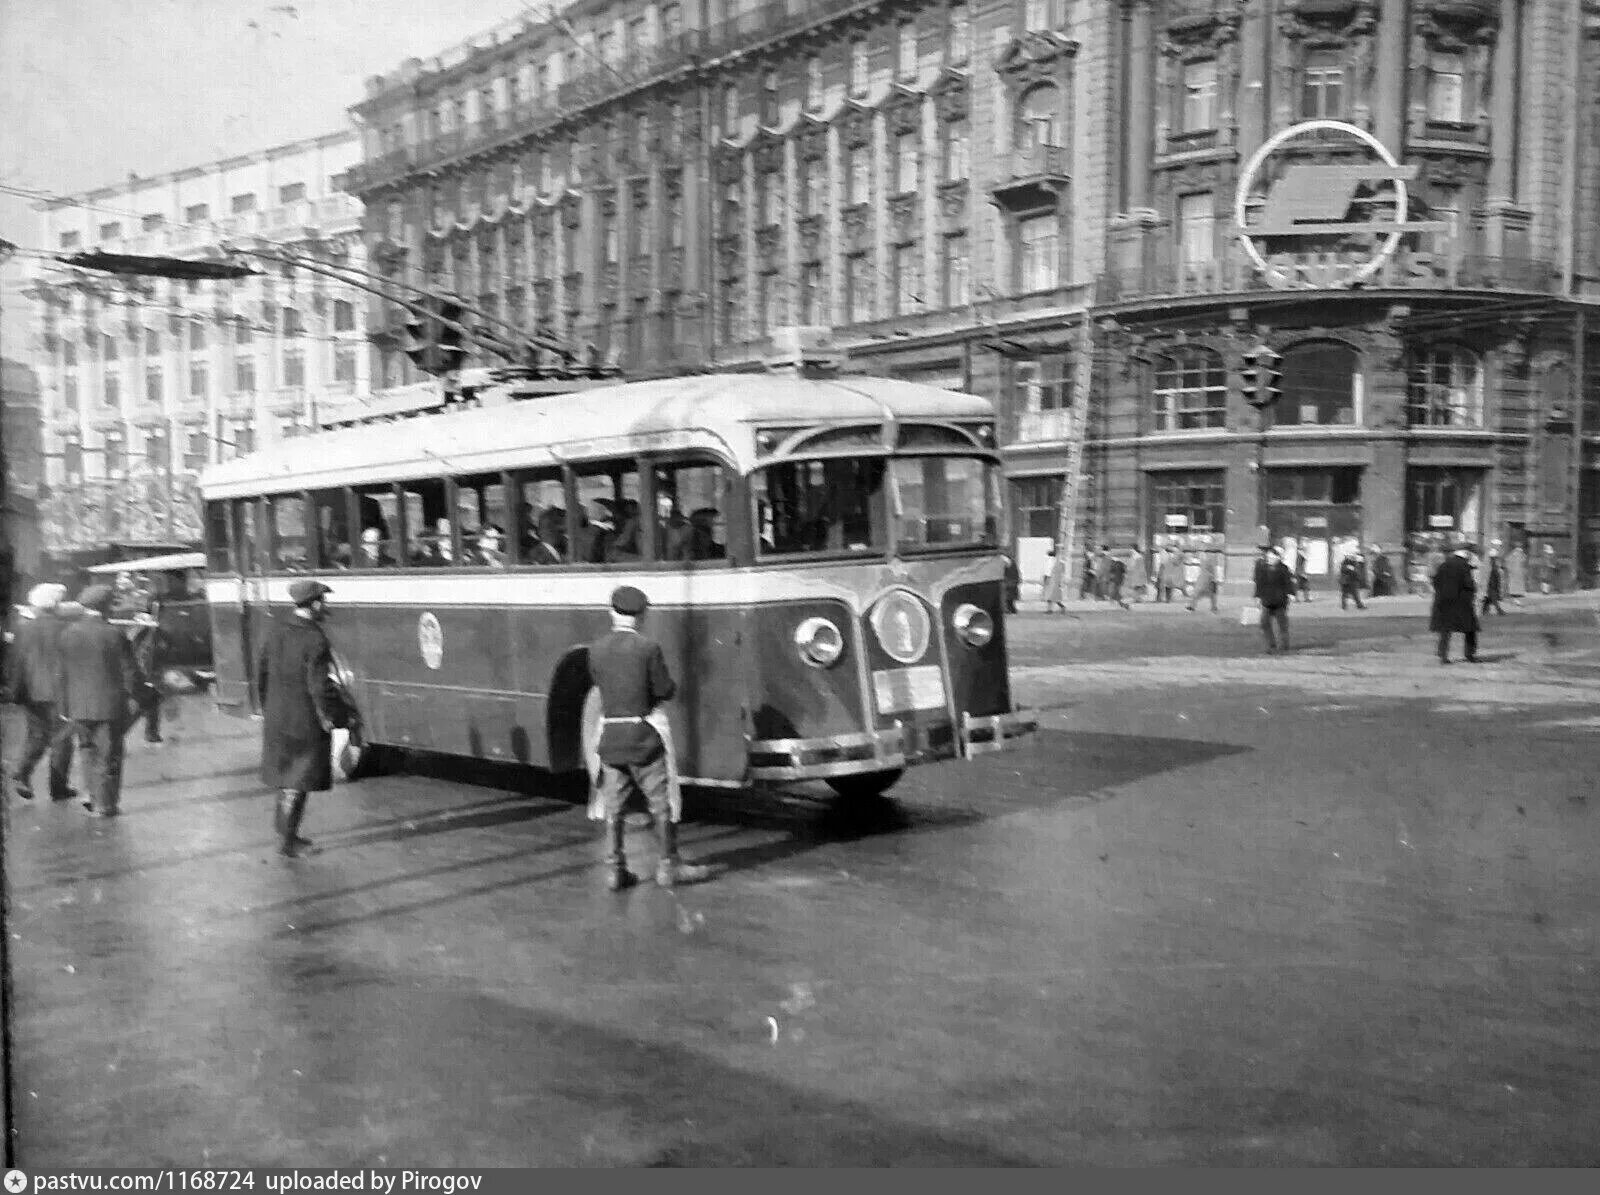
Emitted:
<point x="718" y="411"/>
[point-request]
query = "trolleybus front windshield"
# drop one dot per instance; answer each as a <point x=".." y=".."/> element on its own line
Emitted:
<point x="854" y="504"/>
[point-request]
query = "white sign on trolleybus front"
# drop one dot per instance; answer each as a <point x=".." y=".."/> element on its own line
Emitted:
<point x="1322" y="225"/>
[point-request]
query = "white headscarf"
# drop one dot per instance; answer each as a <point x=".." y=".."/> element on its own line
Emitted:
<point x="46" y="596"/>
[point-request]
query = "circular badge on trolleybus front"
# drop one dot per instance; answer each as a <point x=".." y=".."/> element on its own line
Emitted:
<point x="901" y="623"/>
<point x="430" y="638"/>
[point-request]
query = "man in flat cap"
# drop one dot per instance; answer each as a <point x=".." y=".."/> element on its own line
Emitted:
<point x="98" y="675"/>
<point x="635" y="746"/>
<point x="33" y="680"/>
<point x="301" y="705"/>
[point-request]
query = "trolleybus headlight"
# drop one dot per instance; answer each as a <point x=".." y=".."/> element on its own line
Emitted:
<point x="973" y="625"/>
<point x="819" y="641"/>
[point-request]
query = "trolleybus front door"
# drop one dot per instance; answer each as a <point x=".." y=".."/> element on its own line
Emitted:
<point x="252" y="590"/>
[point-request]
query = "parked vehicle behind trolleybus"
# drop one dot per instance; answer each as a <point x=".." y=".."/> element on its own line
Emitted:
<point x="821" y="556"/>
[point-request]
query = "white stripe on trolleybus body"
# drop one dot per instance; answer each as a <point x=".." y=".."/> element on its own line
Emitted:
<point x="857" y="585"/>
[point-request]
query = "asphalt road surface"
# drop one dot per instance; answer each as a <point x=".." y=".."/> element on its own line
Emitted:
<point x="1333" y="908"/>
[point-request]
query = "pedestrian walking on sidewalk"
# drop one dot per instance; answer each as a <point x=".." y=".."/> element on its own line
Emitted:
<point x="1170" y="580"/>
<point x="1135" y="576"/>
<point x="1517" y="574"/>
<point x="1119" y="573"/>
<point x="98" y="674"/>
<point x="1085" y="582"/>
<point x="1352" y="570"/>
<point x="1055" y="582"/>
<point x="148" y="648"/>
<point x="1302" y="583"/>
<point x="1205" y="583"/>
<point x="1013" y="583"/>
<point x="1494" y="584"/>
<point x="635" y="748"/>
<point x="34" y="682"/>
<point x="1453" y="605"/>
<point x="1548" y="570"/>
<point x="1382" y="573"/>
<point x="1274" y="585"/>
<point x="301" y="706"/>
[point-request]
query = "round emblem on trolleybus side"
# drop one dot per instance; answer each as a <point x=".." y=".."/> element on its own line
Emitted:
<point x="901" y="623"/>
<point x="430" y="638"/>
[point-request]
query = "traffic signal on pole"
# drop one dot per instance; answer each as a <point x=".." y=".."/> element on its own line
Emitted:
<point x="422" y="338"/>
<point x="1260" y="377"/>
<point x="434" y="340"/>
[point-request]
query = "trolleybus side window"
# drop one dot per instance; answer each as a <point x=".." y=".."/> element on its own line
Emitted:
<point x="944" y="501"/>
<point x="289" y="539"/>
<point x="378" y="515"/>
<point x="541" y="517"/>
<point x="691" y="521"/>
<point x="246" y="541"/>
<point x="481" y="515"/>
<point x="219" y="543"/>
<point x="833" y="505"/>
<point x="331" y="516"/>
<point x="609" y="529"/>
<point x="430" y="533"/>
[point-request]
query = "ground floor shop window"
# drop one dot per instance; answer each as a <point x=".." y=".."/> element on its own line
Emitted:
<point x="1187" y="502"/>
<point x="1443" y="506"/>
<point x="1314" y="515"/>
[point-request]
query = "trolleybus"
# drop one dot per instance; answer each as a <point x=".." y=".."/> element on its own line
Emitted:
<point x="821" y="554"/>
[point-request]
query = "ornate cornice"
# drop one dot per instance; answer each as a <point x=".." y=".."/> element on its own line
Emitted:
<point x="903" y="109"/>
<point x="1035" y="49"/>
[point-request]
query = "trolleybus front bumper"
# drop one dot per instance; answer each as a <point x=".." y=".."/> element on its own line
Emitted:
<point x="884" y="750"/>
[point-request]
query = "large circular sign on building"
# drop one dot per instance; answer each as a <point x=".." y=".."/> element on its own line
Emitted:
<point x="1324" y="224"/>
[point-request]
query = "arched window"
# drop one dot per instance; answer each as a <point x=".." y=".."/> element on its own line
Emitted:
<point x="1039" y="118"/>
<point x="1321" y="384"/>
<point x="1444" y="389"/>
<point x="1191" y="391"/>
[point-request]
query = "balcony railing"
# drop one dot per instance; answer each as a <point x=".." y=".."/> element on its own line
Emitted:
<point x="1038" y="161"/>
<point x="1234" y="272"/>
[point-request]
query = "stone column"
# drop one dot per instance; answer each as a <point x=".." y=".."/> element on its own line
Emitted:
<point x="1505" y="223"/>
<point x="1389" y="104"/>
<point x="1141" y="60"/>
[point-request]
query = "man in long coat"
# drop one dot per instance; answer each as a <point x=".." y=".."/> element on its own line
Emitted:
<point x="98" y="674"/>
<point x="301" y="706"/>
<point x="1517" y="574"/>
<point x="1453" y="606"/>
<point x="33" y="666"/>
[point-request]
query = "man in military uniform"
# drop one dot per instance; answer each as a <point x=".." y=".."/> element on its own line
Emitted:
<point x="631" y="674"/>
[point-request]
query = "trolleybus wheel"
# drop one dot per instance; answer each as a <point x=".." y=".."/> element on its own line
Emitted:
<point x="356" y="759"/>
<point x="865" y="785"/>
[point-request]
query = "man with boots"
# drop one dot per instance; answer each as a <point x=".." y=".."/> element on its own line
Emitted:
<point x="34" y="682"/>
<point x="635" y="746"/>
<point x="301" y="705"/>
<point x="98" y="674"/>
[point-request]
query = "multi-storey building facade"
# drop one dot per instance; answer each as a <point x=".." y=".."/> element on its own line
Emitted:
<point x="145" y="381"/>
<point x="1035" y="200"/>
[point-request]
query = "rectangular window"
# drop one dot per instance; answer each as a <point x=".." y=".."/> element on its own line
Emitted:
<point x="291" y="193"/>
<point x="860" y="174"/>
<point x="1190" y="391"/>
<point x="110" y="231"/>
<point x="1036" y="16"/>
<point x="957" y="271"/>
<point x="908" y="279"/>
<point x="293" y="325"/>
<point x="242" y="203"/>
<point x="294" y="368"/>
<point x="858" y="287"/>
<point x="152" y="342"/>
<point x="610" y="530"/>
<point x="116" y="454"/>
<point x="330" y="515"/>
<point x="70" y="240"/>
<point x="344" y="316"/>
<point x="906" y="59"/>
<point x="944" y="501"/>
<point x="289" y="540"/>
<point x="1197" y="219"/>
<point x="907" y="162"/>
<point x="769" y="98"/>
<point x="219" y="543"/>
<point x="482" y="517"/>
<point x="960" y="35"/>
<point x="69" y="391"/>
<point x="858" y="67"/>
<point x="199" y="379"/>
<point x="1446" y="88"/>
<point x="957" y="159"/>
<point x="1322" y="85"/>
<point x="1196" y="497"/>
<point x="197" y="213"/>
<point x="243" y="333"/>
<point x="244" y="436"/>
<point x="772" y="315"/>
<point x="733" y="312"/>
<point x="195" y="448"/>
<point x="820" y="506"/>
<point x="606" y="43"/>
<point x="671" y="20"/>
<point x="772" y="199"/>
<point x="813" y="82"/>
<point x="1199" y="95"/>
<point x="810" y="292"/>
<point x="113" y="390"/>
<point x="690" y="522"/>
<point x="730" y="110"/>
<point x="430" y="539"/>
<point x="197" y="337"/>
<point x="1038" y="258"/>
<point x="152" y="385"/>
<point x="156" y="453"/>
<point x="814" y="181"/>
<point x="638" y="35"/>
<point x="1036" y="503"/>
<point x="151" y="222"/>
<point x="244" y="376"/>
